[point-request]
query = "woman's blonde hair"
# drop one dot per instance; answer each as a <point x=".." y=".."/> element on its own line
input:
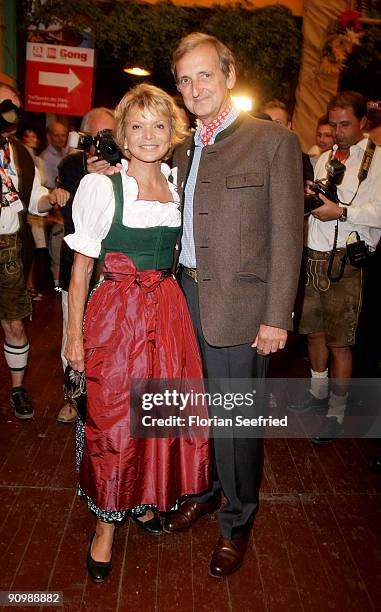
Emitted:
<point x="145" y="96"/>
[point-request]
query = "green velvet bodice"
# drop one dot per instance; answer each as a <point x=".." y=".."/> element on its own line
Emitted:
<point x="149" y="248"/>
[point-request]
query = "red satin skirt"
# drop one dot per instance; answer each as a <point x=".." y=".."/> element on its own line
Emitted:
<point x="137" y="325"/>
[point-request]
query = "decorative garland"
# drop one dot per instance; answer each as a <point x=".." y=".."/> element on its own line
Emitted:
<point x="266" y="41"/>
<point x="343" y="36"/>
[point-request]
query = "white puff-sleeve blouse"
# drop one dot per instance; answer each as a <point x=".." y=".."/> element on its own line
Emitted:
<point x="94" y="206"/>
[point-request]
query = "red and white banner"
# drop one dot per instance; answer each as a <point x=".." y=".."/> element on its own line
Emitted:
<point x="59" y="79"/>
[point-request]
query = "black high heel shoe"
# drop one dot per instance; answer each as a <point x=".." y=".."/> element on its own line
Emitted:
<point x="153" y="526"/>
<point x="98" y="570"/>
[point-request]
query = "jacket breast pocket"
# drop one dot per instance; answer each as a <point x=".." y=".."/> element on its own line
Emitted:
<point x="249" y="179"/>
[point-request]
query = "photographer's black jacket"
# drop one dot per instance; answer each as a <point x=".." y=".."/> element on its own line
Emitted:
<point x="70" y="172"/>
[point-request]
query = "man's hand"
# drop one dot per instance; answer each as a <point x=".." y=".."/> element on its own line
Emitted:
<point x="101" y="166"/>
<point x="328" y="211"/>
<point x="58" y="197"/>
<point x="269" y="339"/>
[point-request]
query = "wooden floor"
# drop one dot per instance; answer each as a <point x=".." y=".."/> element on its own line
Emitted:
<point x="316" y="543"/>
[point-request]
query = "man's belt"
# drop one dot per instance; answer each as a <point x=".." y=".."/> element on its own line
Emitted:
<point x="192" y="272"/>
<point x="312" y="254"/>
<point x="8" y="240"/>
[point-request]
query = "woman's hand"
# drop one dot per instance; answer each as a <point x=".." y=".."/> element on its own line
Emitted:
<point x="101" y="166"/>
<point x="74" y="353"/>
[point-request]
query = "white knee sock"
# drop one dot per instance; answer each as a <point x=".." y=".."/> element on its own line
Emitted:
<point x="319" y="384"/>
<point x="16" y="356"/>
<point x="337" y="405"/>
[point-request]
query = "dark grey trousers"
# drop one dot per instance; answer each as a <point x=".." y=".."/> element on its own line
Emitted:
<point x="237" y="461"/>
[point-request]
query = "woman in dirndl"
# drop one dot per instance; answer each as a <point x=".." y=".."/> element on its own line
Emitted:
<point x="136" y="326"/>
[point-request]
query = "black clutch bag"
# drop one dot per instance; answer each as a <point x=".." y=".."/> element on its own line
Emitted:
<point x="75" y="390"/>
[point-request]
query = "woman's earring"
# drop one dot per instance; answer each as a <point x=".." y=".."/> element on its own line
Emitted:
<point x="126" y="151"/>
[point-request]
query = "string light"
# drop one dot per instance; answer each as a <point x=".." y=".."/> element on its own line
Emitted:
<point x="136" y="71"/>
<point x="242" y="103"/>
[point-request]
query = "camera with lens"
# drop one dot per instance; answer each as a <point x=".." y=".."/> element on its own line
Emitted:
<point x="328" y="186"/>
<point x="105" y="146"/>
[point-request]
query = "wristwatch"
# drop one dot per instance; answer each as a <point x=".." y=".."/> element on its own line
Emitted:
<point x="343" y="214"/>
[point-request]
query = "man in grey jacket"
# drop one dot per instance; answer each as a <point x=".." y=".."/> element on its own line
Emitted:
<point x="242" y="189"/>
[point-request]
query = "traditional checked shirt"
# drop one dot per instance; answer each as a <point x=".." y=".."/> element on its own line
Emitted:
<point x="226" y="118"/>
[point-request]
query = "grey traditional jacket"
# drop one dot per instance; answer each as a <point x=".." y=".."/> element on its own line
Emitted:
<point x="248" y="227"/>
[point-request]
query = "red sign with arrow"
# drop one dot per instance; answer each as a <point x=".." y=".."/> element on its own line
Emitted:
<point x="59" y="79"/>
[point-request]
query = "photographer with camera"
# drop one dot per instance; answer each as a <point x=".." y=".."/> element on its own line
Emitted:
<point x="96" y="152"/>
<point x="21" y="191"/>
<point x="343" y="232"/>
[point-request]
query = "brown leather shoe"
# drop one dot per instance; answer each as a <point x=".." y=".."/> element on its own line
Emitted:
<point x="68" y="412"/>
<point x="228" y="556"/>
<point x="188" y="513"/>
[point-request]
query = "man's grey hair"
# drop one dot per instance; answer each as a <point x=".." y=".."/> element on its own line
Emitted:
<point x="92" y="112"/>
<point x="190" y="42"/>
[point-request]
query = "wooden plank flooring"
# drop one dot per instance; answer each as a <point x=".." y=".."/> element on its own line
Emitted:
<point x="316" y="542"/>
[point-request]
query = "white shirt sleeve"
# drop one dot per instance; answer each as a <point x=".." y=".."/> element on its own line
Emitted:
<point x="366" y="207"/>
<point x="93" y="211"/>
<point x="37" y="192"/>
<point x="320" y="169"/>
<point x="363" y="215"/>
